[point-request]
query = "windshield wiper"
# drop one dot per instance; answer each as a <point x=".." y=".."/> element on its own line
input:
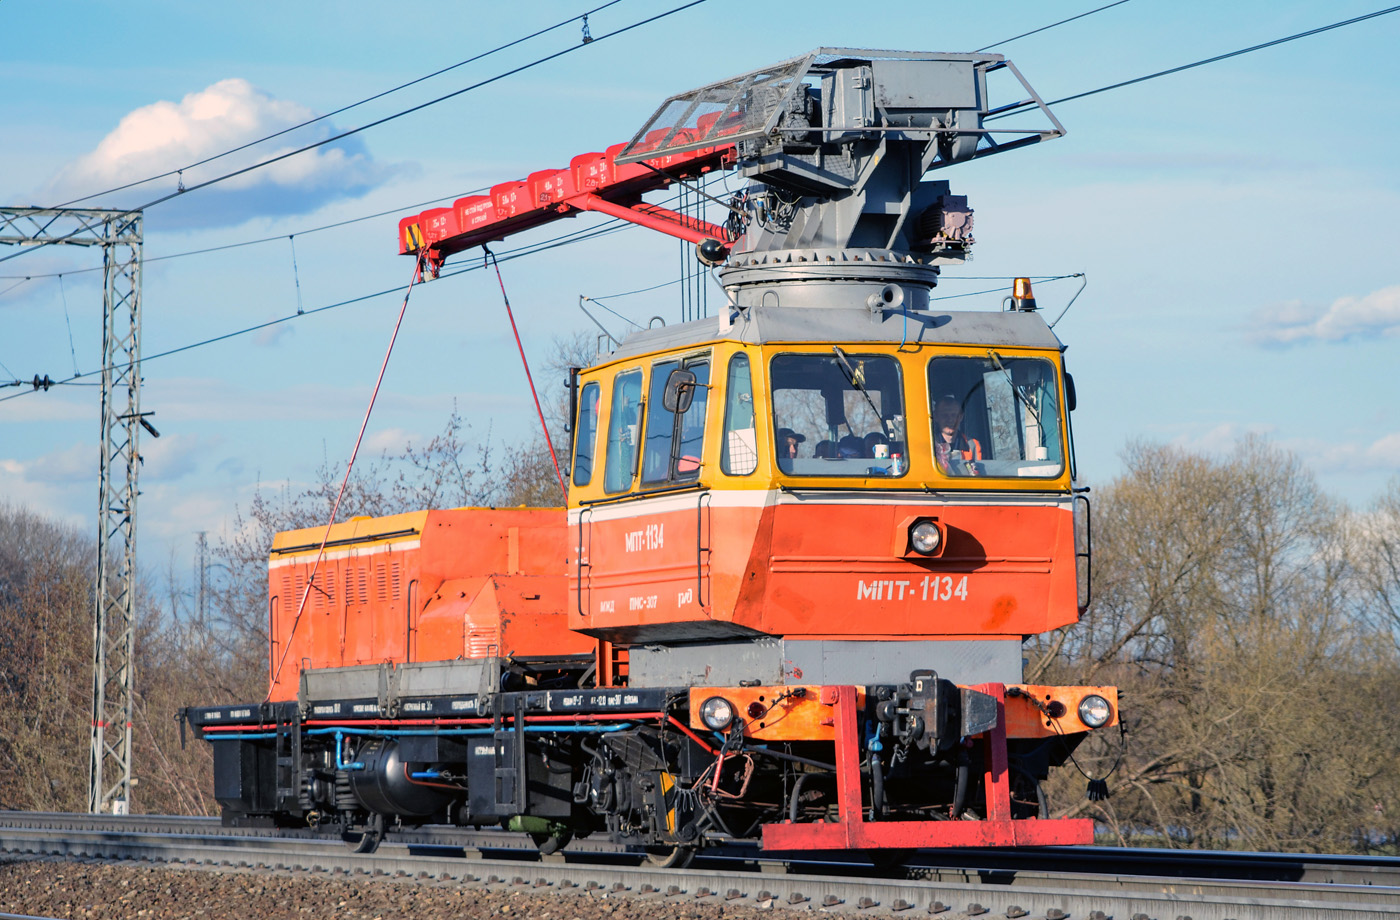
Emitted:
<point x="1016" y="391"/>
<point x="856" y="377"/>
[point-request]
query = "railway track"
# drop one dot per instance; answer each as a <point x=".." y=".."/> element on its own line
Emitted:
<point x="1079" y="884"/>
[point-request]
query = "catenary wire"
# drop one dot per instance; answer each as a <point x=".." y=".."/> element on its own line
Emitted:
<point x="654" y="287"/>
<point x="1015" y="110"/>
<point x="373" y="124"/>
<point x="613" y="226"/>
<point x="994" y="290"/>
<point x="1007" y="41"/>
<point x="344" y="108"/>
<point x="264" y="239"/>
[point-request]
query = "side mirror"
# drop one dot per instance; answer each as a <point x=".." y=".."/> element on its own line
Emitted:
<point x="680" y="390"/>
<point x="1070" y="400"/>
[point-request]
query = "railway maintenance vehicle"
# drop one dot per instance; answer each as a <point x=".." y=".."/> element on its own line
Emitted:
<point x="804" y="539"/>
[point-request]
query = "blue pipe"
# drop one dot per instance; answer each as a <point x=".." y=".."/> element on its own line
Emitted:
<point x="340" y="763"/>
<point x="416" y="733"/>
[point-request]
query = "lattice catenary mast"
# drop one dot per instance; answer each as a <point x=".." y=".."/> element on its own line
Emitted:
<point x="119" y="235"/>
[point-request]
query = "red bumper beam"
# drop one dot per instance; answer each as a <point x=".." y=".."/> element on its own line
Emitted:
<point x="852" y="832"/>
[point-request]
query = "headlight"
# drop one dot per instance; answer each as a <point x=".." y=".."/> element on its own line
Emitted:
<point x="717" y="713"/>
<point x="1094" y="711"/>
<point x="924" y="537"/>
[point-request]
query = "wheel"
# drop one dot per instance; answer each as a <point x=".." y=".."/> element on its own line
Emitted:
<point x="549" y="844"/>
<point x="670" y="857"/>
<point x="367" y="838"/>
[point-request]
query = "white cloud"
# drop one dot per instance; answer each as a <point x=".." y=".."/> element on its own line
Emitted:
<point x="1218" y="440"/>
<point x="1345" y="319"/>
<point x="168" y="135"/>
<point x="1332" y="455"/>
<point x="165" y="459"/>
<point x="390" y="440"/>
<point x="170" y="457"/>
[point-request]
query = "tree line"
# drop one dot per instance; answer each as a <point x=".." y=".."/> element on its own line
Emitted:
<point x="1251" y="622"/>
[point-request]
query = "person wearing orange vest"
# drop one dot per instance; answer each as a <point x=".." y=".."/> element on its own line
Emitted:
<point x="957" y="454"/>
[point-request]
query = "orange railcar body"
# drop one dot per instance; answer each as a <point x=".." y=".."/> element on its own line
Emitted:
<point x="708" y="567"/>
<point x="422" y="586"/>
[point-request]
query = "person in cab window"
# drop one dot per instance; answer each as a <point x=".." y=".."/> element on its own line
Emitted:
<point x="851" y="447"/>
<point x="787" y="443"/>
<point x="956" y="453"/>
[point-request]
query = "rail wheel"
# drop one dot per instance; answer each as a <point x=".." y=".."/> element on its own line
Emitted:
<point x="677" y="857"/>
<point x="365" y="839"/>
<point x="550" y="844"/>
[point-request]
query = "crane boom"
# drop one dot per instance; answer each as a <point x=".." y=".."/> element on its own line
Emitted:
<point x="836" y="143"/>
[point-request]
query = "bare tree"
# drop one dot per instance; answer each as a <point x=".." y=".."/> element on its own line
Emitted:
<point x="1225" y="610"/>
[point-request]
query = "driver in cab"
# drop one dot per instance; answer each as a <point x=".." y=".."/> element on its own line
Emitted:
<point x="955" y="452"/>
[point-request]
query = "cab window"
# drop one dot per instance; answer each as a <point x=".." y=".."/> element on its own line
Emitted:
<point x="586" y="435"/>
<point x="624" y="429"/>
<point x="995" y="416"/>
<point x="838" y="414"/>
<point x="674" y="445"/>
<point x="739" y="452"/>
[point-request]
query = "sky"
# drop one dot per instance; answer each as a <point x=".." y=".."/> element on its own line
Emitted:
<point x="1235" y="222"/>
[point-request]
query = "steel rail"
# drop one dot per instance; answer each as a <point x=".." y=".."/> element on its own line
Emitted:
<point x="962" y="893"/>
<point x="992" y="865"/>
<point x="1003" y="866"/>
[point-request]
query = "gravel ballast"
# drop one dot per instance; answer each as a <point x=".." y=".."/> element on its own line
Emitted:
<point x="52" y="888"/>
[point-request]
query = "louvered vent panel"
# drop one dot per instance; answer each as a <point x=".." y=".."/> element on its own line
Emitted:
<point x="481" y="642"/>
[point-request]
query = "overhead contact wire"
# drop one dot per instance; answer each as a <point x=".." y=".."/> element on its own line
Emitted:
<point x="1210" y="60"/>
<point x="344" y="482"/>
<point x="184" y="190"/>
<point x="578" y="236"/>
<point x="344" y="108"/>
<point x="264" y="239"/>
<point x="1007" y="41"/>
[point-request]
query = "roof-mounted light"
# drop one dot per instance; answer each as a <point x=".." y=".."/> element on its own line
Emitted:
<point x="1021" y="295"/>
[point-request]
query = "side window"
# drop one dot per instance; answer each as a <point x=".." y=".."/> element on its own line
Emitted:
<point x="656" y="457"/>
<point x="624" y="427"/>
<point x="739" y="452"/>
<point x="586" y="435"/>
<point x="690" y="432"/>
<point x="674" y="445"/>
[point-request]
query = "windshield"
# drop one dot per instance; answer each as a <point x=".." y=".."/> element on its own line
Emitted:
<point x="838" y="414"/>
<point x="995" y="416"/>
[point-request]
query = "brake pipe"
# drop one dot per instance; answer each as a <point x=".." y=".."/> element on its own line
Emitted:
<point x="582" y="717"/>
<point x="342" y="731"/>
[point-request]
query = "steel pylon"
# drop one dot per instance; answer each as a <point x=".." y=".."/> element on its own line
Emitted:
<point x="114" y="616"/>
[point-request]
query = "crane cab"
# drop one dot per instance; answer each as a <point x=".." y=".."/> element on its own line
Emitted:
<point x="744" y="501"/>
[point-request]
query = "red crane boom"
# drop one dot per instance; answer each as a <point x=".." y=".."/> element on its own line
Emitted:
<point x="592" y="182"/>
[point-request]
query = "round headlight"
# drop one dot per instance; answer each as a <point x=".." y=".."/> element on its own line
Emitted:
<point x="924" y="537"/>
<point x="1094" y="711"/>
<point x="717" y="713"/>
